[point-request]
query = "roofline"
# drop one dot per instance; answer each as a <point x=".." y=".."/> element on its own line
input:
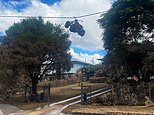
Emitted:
<point x="83" y="63"/>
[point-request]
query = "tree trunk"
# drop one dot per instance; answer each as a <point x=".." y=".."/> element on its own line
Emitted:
<point x="34" y="87"/>
<point x="34" y="94"/>
<point x="58" y="74"/>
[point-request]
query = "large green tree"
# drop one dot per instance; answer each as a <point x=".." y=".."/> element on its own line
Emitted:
<point x="128" y="36"/>
<point x="128" y="21"/>
<point x="33" y="48"/>
<point x="128" y="29"/>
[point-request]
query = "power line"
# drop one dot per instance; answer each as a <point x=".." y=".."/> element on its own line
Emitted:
<point x="31" y="17"/>
<point x="60" y="17"/>
<point x="82" y="16"/>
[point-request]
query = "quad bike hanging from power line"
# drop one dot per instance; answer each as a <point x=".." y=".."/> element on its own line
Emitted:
<point x="75" y="27"/>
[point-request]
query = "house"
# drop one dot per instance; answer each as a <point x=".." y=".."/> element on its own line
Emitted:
<point x="77" y="64"/>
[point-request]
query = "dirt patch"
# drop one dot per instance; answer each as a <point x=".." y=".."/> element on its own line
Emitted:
<point x="95" y="109"/>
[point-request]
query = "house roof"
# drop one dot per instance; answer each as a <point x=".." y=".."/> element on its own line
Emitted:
<point x="77" y="61"/>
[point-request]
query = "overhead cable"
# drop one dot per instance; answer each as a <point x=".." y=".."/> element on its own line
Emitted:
<point x="65" y="17"/>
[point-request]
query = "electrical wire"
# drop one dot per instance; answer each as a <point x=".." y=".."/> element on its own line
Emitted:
<point x="62" y="17"/>
<point x="82" y="16"/>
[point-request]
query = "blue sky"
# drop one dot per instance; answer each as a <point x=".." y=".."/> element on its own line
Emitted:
<point x="50" y="2"/>
<point x="1" y="33"/>
<point x="87" y="47"/>
<point x="18" y="5"/>
<point x="79" y="50"/>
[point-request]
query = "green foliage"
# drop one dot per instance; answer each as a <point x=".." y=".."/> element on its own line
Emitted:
<point x="88" y="71"/>
<point x="127" y="21"/>
<point x="31" y="49"/>
<point x="128" y="31"/>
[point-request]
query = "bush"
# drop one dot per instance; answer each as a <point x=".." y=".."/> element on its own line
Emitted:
<point x="62" y="82"/>
<point x="97" y="79"/>
<point x="106" y="99"/>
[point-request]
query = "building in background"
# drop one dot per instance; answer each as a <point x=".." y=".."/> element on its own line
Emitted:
<point x="77" y="64"/>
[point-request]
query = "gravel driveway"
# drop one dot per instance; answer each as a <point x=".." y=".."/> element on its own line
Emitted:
<point x="6" y="109"/>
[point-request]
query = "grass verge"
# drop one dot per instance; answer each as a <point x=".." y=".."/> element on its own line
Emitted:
<point x="57" y="94"/>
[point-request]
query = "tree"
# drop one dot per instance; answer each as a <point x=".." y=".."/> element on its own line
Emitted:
<point x="34" y="48"/>
<point x="127" y="21"/>
<point x="128" y="31"/>
<point x="88" y="71"/>
<point x="128" y="25"/>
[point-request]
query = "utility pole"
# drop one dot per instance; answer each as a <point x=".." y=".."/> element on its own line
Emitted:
<point x="93" y="61"/>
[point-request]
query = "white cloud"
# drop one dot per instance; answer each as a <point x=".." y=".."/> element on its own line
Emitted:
<point x="84" y="57"/>
<point x="5" y="23"/>
<point x="92" y="38"/>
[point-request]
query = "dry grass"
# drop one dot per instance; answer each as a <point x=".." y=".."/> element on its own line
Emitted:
<point x="65" y="92"/>
<point x="57" y="94"/>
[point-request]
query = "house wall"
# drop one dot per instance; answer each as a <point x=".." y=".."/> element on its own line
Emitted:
<point x="75" y="67"/>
